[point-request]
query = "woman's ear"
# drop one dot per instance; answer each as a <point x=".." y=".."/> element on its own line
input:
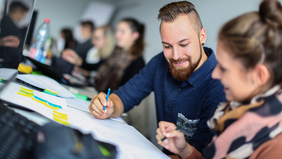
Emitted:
<point x="262" y="75"/>
<point x="135" y="35"/>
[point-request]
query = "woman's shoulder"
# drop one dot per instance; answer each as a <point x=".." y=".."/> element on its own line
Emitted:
<point x="138" y="63"/>
<point x="139" y="59"/>
<point x="270" y="149"/>
<point x="117" y="49"/>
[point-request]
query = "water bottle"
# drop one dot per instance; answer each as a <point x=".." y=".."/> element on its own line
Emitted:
<point x="41" y="36"/>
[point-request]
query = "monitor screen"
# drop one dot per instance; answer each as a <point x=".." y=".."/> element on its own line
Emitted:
<point x="15" y="21"/>
<point x="29" y="36"/>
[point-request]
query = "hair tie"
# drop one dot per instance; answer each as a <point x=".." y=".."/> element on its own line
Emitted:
<point x="262" y="57"/>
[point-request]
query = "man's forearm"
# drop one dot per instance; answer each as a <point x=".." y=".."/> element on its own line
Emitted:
<point x="118" y="106"/>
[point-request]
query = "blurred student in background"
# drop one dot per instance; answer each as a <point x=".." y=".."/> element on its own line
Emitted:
<point x="11" y="37"/>
<point x="127" y="58"/>
<point x="87" y="28"/>
<point x="66" y="40"/>
<point x="66" y="63"/>
<point x="104" y="43"/>
<point x="249" y="124"/>
<point x="70" y="55"/>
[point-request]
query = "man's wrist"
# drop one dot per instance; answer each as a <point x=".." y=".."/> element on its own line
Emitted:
<point x="117" y="106"/>
<point x="187" y="151"/>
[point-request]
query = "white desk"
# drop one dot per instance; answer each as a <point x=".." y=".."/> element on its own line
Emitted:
<point x="129" y="142"/>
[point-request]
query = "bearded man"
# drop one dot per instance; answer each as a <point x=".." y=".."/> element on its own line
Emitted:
<point x="180" y="77"/>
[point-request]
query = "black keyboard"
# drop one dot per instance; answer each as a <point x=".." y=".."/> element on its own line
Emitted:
<point x="17" y="134"/>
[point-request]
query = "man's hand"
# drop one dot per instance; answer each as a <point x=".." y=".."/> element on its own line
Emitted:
<point x="72" y="57"/>
<point x="97" y="105"/>
<point x="175" y="141"/>
<point x="10" y="41"/>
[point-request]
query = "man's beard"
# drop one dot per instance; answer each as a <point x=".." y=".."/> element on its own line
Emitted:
<point x="183" y="74"/>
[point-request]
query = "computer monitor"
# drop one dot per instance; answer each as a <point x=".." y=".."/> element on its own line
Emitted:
<point x="15" y="22"/>
<point x="31" y="29"/>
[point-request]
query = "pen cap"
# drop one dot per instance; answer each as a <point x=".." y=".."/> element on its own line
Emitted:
<point x="109" y="90"/>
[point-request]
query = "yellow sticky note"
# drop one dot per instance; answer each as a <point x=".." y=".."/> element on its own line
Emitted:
<point x="26" y="95"/>
<point x="60" y="116"/>
<point x="59" y="113"/>
<point x="65" y="122"/>
<point x="54" y="108"/>
<point x="25" y="89"/>
<point x="41" y="102"/>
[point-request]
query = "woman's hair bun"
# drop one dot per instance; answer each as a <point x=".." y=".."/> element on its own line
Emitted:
<point x="270" y="12"/>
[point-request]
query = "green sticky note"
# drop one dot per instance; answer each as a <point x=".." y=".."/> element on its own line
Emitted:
<point x="36" y="73"/>
<point x="104" y="151"/>
<point x="48" y="91"/>
<point x="79" y="96"/>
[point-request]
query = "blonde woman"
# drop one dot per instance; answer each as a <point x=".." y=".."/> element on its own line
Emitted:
<point x="104" y="43"/>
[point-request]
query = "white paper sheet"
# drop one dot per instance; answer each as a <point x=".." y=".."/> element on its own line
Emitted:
<point x="79" y="104"/>
<point x="83" y="105"/>
<point x="130" y="143"/>
<point x="6" y="73"/>
<point x="46" y="82"/>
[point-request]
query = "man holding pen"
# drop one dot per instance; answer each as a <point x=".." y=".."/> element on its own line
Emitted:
<point x="180" y="77"/>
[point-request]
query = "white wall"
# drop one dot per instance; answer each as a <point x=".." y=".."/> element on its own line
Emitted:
<point x="98" y="12"/>
<point x="62" y="13"/>
<point x="212" y="12"/>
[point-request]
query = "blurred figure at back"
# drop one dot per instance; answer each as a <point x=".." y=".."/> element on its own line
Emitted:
<point x="127" y="58"/>
<point x="81" y="49"/>
<point x="11" y="37"/>
<point x="87" y="28"/>
<point x="70" y="56"/>
<point x="104" y="43"/>
<point x="66" y="40"/>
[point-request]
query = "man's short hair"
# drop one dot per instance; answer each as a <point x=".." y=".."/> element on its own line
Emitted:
<point x="169" y="13"/>
<point x="89" y="24"/>
<point x="17" y="5"/>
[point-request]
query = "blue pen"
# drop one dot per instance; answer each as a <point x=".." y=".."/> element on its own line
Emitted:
<point x="109" y="90"/>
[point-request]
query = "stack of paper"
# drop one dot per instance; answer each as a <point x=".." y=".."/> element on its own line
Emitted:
<point x="48" y="105"/>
